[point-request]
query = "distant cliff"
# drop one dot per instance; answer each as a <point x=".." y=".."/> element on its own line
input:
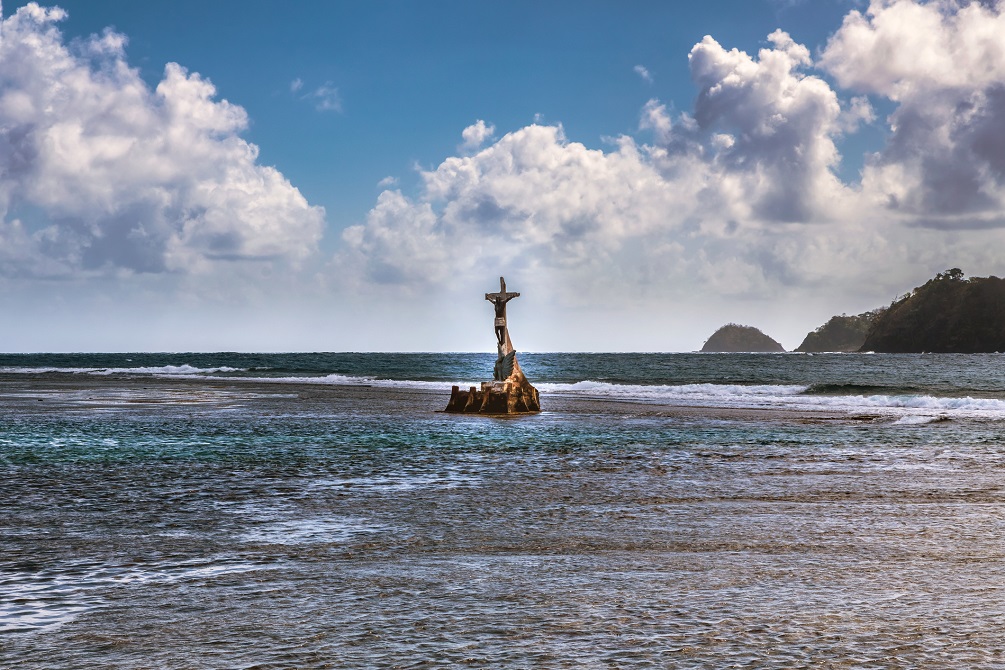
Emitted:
<point x="841" y="333"/>
<point x="949" y="314"/>
<point x="736" y="338"/>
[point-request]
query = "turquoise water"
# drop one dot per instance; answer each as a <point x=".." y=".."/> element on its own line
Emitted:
<point x="678" y="510"/>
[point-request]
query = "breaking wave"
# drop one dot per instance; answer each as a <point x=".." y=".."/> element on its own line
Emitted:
<point x="163" y="370"/>
<point x="900" y="402"/>
<point x="913" y="408"/>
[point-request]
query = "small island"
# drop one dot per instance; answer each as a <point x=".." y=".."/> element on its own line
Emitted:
<point x="948" y="314"/>
<point x="734" y="338"/>
<point x="841" y="333"/>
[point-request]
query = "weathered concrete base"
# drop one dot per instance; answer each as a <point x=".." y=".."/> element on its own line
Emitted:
<point x="513" y="396"/>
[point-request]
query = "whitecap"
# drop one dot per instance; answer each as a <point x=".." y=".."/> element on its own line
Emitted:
<point x="920" y="419"/>
<point x="163" y="370"/>
<point x="310" y="531"/>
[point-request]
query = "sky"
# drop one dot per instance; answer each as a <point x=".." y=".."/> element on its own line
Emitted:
<point x="355" y="175"/>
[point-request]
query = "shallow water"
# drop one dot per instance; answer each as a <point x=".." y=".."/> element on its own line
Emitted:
<point x="149" y="523"/>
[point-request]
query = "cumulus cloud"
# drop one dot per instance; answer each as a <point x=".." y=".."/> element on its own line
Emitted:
<point x="532" y="200"/>
<point x="476" y="135"/>
<point x="735" y="196"/>
<point x="775" y="127"/>
<point x="539" y="205"/>
<point x="943" y="64"/>
<point x="738" y="196"/>
<point x="656" y="118"/>
<point x="99" y="173"/>
<point x="757" y="152"/>
<point x="903" y="48"/>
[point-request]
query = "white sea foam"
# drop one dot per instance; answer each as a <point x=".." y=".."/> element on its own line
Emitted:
<point x="170" y="370"/>
<point x="923" y="408"/>
<point x="920" y="419"/>
<point x="350" y="380"/>
<point x="393" y="482"/>
<point x="32" y="601"/>
<point x="912" y="408"/>
<point x="725" y="392"/>
<point x="164" y="370"/>
<point x="787" y="396"/>
<point x="307" y="531"/>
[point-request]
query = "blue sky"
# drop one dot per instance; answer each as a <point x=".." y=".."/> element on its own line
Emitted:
<point x="639" y="182"/>
<point x="411" y="75"/>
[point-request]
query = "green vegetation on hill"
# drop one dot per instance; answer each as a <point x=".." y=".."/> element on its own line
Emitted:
<point x="949" y="314"/>
<point x="841" y="333"/>
<point x="735" y="338"/>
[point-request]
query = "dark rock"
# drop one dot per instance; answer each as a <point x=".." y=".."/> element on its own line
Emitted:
<point x="841" y="333"/>
<point x="736" y="338"/>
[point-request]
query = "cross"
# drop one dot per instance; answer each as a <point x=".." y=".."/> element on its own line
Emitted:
<point x="501" y="298"/>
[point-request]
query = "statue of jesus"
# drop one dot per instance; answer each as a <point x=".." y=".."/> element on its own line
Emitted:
<point x="499" y="300"/>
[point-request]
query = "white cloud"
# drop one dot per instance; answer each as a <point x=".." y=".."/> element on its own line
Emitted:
<point x="326" y="98"/>
<point x="644" y="73"/>
<point x="943" y="63"/>
<point x="536" y="205"/>
<point x="656" y="118"/>
<point x="531" y="200"/>
<point x="118" y="177"/>
<point x="858" y="111"/>
<point x="476" y="135"/>
<point x="733" y="203"/>
<point x="782" y="122"/>
<point x="737" y="198"/>
<point x="905" y="48"/>
<point x="757" y="152"/>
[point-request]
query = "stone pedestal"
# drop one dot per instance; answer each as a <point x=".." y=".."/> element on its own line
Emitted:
<point x="515" y="395"/>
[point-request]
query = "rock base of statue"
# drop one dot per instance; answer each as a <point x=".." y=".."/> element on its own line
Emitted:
<point x="515" y="395"/>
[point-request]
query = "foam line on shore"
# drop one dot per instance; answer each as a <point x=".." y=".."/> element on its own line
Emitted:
<point x="776" y="396"/>
<point x="182" y="370"/>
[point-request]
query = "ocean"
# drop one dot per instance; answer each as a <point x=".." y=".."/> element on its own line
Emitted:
<point x="234" y="510"/>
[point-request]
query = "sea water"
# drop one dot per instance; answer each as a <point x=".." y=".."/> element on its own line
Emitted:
<point x="664" y="510"/>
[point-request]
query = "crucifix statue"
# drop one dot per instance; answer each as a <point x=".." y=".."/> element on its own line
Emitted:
<point x="509" y="392"/>
<point x="499" y="300"/>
